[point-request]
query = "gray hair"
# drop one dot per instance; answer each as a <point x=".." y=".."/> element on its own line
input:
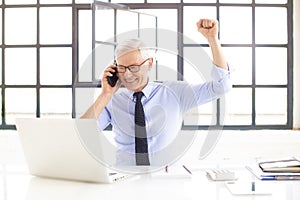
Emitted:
<point x="131" y="45"/>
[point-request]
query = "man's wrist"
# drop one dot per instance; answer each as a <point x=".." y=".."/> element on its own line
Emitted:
<point x="213" y="40"/>
<point x="105" y="96"/>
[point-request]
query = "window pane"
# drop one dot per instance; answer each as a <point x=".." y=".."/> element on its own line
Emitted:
<point x="271" y="25"/>
<point x="147" y="29"/>
<point x="197" y="66"/>
<point x="192" y="73"/>
<point x="239" y="107"/>
<point x="271" y="106"/>
<point x="25" y="23"/>
<point x="19" y="103"/>
<point x="202" y="115"/>
<point x="228" y="21"/>
<point x="191" y="15"/>
<point x="56" y="25"/>
<point x="104" y="18"/>
<point x="123" y="17"/>
<point x="55" y="1"/>
<point x="56" y="66"/>
<point x="10" y="2"/>
<point x="85" y="40"/>
<point x="165" y="18"/>
<point x="271" y="2"/>
<point x="271" y="65"/>
<point x="84" y="98"/>
<point x="56" y="102"/>
<point x="22" y="70"/>
<point x="167" y="67"/>
<point x="239" y="60"/>
<point x="104" y="57"/>
<point x="207" y="50"/>
<point x="167" y="28"/>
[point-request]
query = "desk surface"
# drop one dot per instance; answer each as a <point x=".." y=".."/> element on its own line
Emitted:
<point x="17" y="184"/>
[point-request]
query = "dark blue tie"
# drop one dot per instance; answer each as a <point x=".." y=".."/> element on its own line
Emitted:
<point x="141" y="144"/>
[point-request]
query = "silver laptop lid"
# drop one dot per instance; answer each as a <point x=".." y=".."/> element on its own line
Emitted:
<point x="53" y="148"/>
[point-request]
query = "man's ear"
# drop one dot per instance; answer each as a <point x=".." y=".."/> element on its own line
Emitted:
<point x="150" y="62"/>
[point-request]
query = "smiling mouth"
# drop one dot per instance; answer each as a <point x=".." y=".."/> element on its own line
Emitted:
<point x="130" y="81"/>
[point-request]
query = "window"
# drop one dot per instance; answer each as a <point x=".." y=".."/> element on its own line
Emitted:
<point x="260" y="59"/>
<point x="40" y="65"/>
<point x="37" y="60"/>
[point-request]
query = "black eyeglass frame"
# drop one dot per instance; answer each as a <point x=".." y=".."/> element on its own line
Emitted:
<point x="132" y="68"/>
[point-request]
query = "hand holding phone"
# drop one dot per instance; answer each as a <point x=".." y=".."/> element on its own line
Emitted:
<point x="112" y="80"/>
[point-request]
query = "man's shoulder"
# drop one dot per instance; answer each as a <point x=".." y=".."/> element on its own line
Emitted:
<point x="170" y="84"/>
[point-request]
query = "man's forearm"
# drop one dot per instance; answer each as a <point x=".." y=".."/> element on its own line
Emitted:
<point x="98" y="106"/>
<point x="217" y="53"/>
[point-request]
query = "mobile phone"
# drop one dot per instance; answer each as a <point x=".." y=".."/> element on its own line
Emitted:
<point x="112" y="80"/>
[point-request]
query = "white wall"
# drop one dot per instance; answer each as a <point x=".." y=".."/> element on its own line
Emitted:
<point x="296" y="64"/>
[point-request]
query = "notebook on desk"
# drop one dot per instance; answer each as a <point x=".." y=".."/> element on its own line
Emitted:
<point x="256" y="170"/>
<point x="288" y="165"/>
<point x="53" y="149"/>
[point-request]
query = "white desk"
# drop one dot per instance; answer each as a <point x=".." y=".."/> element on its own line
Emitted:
<point x="17" y="184"/>
<point x="20" y="186"/>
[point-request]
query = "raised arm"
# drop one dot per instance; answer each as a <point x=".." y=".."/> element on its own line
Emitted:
<point x="209" y="29"/>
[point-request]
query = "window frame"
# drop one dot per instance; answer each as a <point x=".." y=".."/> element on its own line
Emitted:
<point x="253" y="45"/>
<point x="181" y="45"/>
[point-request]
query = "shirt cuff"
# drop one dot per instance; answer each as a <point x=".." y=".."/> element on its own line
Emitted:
<point x="220" y="73"/>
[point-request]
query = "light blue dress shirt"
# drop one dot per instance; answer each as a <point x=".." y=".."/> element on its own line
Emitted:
<point x="164" y="105"/>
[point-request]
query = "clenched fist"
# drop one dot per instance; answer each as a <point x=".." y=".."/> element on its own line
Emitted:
<point x="208" y="28"/>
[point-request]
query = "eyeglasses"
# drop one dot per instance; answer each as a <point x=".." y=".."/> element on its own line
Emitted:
<point x="132" y="68"/>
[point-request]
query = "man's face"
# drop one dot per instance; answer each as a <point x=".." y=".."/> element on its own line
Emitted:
<point x="135" y="81"/>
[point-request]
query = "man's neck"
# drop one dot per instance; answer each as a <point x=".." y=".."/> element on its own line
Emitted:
<point x="142" y="87"/>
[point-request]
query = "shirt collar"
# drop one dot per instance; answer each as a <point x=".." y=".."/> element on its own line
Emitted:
<point x="147" y="90"/>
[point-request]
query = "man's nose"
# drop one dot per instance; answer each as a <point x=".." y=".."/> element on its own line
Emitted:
<point x="127" y="72"/>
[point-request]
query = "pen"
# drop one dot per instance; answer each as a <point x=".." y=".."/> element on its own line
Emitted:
<point x="253" y="186"/>
<point x="187" y="169"/>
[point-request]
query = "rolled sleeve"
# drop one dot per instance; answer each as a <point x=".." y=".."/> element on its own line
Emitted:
<point x="222" y="81"/>
<point x="104" y="119"/>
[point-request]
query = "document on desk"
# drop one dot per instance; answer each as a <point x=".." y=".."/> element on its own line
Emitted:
<point x="254" y="169"/>
<point x="248" y="188"/>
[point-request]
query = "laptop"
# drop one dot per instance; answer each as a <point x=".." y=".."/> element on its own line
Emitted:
<point x="56" y="148"/>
